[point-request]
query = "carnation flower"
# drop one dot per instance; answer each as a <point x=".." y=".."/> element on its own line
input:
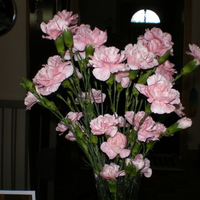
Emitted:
<point x="107" y="60"/>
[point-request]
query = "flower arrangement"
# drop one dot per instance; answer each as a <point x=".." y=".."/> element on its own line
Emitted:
<point x="114" y="97"/>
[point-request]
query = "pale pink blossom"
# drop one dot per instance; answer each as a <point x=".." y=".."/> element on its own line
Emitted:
<point x="49" y="78"/>
<point x="157" y="42"/>
<point x="123" y="78"/>
<point x="160" y="94"/>
<point x="138" y="162"/>
<point x="147" y="171"/>
<point x="85" y="36"/>
<point x="166" y="69"/>
<point x="195" y="52"/>
<point x="106" y="124"/>
<point x="61" y="127"/>
<point x="111" y="171"/>
<point x="139" y="57"/>
<point x="62" y="20"/>
<point x="96" y="96"/>
<point x="145" y="129"/>
<point x="30" y="100"/>
<point x="115" y="145"/>
<point x="73" y="116"/>
<point x="70" y="136"/>
<point x="129" y="116"/>
<point x="159" y="129"/>
<point x="184" y="123"/>
<point x="106" y="60"/>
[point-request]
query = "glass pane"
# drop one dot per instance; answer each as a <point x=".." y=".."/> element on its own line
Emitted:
<point x="145" y="16"/>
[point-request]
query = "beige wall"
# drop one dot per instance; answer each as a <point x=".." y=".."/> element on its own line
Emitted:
<point x="13" y="56"/>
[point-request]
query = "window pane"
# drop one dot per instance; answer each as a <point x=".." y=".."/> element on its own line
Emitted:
<point x="145" y="16"/>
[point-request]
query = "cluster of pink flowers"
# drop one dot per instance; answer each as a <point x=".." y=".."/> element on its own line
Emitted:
<point x="106" y="63"/>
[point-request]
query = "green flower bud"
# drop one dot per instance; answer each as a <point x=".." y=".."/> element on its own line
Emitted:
<point x="28" y="84"/>
<point x="136" y="148"/>
<point x="66" y="83"/>
<point x="68" y="38"/>
<point x="189" y="67"/>
<point x="94" y="139"/>
<point x="89" y="50"/>
<point x="129" y="167"/>
<point x="78" y="131"/>
<point x="59" y="42"/>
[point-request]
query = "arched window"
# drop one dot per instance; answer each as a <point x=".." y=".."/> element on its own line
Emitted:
<point x="145" y="16"/>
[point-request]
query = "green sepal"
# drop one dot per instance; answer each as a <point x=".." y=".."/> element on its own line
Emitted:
<point x="112" y="186"/>
<point x="164" y="57"/>
<point x="110" y="81"/>
<point x="133" y="74"/>
<point x="129" y="168"/>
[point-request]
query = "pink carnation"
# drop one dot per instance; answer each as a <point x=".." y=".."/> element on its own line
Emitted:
<point x="111" y="171"/>
<point x="95" y="96"/>
<point x="195" y="52"/>
<point x="70" y="136"/>
<point x="160" y="94"/>
<point x="62" y="20"/>
<point x="146" y="129"/>
<point x="107" y="60"/>
<point x="106" y="124"/>
<point x="115" y="145"/>
<point x="85" y="36"/>
<point x="138" y="161"/>
<point x="147" y="171"/>
<point x="123" y="78"/>
<point x="166" y="69"/>
<point x="30" y="100"/>
<point x="156" y="41"/>
<point x="139" y="57"/>
<point x="73" y="116"/>
<point x="49" y="78"/>
<point x="129" y="115"/>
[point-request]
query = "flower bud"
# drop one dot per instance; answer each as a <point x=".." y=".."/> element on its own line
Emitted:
<point x="59" y="42"/>
<point x="94" y="139"/>
<point x="179" y="125"/>
<point x="129" y="166"/>
<point x="89" y="50"/>
<point x="28" y="84"/>
<point x="68" y="38"/>
<point x="135" y="148"/>
<point x="189" y="67"/>
<point x="78" y="131"/>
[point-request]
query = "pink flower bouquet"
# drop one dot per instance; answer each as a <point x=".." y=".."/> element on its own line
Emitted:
<point x="112" y="96"/>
